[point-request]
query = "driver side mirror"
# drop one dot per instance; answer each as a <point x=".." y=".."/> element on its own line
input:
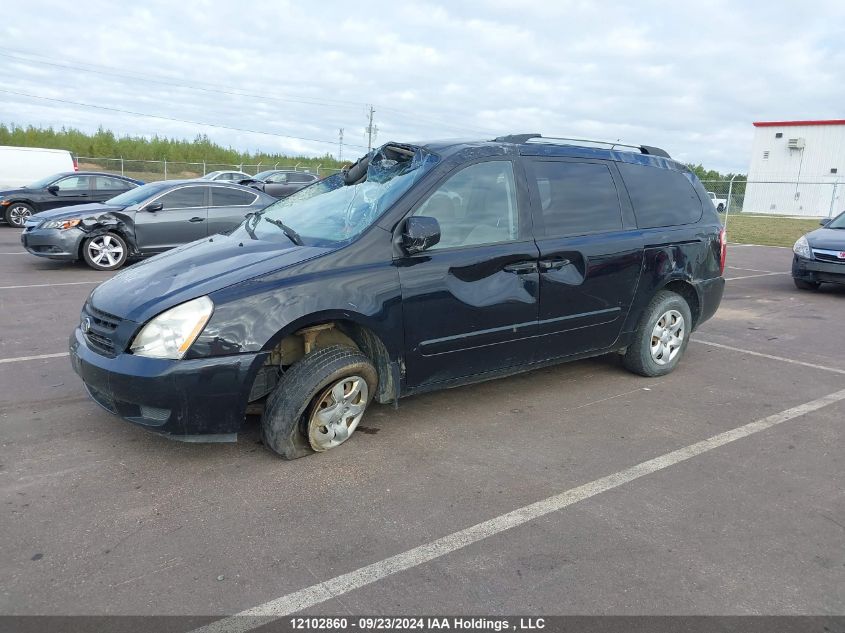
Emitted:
<point x="825" y="222"/>
<point x="54" y="189"/>
<point x="155" y="206"/>
<point x="420" y="233"/>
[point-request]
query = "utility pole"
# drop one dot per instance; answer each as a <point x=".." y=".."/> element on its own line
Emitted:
<point x="340" y="145"/>
<point x="371" y="130"/>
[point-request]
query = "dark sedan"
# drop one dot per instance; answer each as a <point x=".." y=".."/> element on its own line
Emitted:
<point x="150" y="219"/>
<point x="280" y="183"/>
<point x="61" y="190"/>
<point x="820" y="255"/>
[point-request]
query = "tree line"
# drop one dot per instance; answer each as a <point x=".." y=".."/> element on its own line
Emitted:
<point x="106" y="144"/>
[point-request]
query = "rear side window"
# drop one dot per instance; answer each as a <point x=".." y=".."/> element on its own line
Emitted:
<point x="661" y="197"/>
<point x="112" y="184"/>
<point x="226" y="197"/>
<point x="576" y="198"/>
<point x="301" y="178"/>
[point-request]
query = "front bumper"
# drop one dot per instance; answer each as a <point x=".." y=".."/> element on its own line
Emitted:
<point x="815" y="271"/>
<point x="53" y="243"/>
<point x="194" y="400"/>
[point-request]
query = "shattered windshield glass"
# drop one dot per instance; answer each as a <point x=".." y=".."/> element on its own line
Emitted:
<point x="338" y="208"/>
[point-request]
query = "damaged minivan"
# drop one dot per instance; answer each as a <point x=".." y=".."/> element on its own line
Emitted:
<point x="419" y="267"/>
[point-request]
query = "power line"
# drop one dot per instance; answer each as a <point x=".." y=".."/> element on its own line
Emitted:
<point x="167" y="118"/>
<point x="208" y="87"/>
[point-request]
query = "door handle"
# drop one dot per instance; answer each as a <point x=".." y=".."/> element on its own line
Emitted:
<point x="521" y="268"/>
<point x="553" y="264"/>
<point x="196" y="219"/>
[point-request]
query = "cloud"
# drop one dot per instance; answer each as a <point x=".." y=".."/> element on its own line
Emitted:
<point x="687" y="78"/>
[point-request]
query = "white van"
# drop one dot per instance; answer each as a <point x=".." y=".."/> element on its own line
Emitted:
<point x="20" y="166"/>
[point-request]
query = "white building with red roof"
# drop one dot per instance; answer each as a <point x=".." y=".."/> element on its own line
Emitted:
<point x="797" y="168"/>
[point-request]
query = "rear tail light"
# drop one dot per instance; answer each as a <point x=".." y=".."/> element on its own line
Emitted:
<point x="723" y="250"/>
<point x="75" y="165"/>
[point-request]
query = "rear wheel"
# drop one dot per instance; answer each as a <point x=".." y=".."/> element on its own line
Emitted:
<point x="720" y="208"/>
<point x="661" y="337"/>
<point x="319" y="402"/>
<point x="105" y="252"/>
<point x="17" y="213"/>
<point x="806" y="285"/>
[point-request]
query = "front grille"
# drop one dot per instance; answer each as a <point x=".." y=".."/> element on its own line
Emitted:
<point x="103" y="319"/>
<point x="101" y="330"/>
<point x="823" y="256"/>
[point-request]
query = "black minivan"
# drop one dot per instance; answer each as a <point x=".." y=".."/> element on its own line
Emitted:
<point x="420" y="267"/>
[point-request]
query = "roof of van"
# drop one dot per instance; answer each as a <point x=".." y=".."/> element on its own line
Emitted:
<point x="535" y="145"/>
<point x="33" y="149"/>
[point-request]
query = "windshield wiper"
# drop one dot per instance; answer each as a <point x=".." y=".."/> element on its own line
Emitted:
<point x="292" y="235"/>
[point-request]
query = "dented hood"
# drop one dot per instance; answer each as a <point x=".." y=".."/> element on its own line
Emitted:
<point x="141" y="291"/>
<point x="77" y="211"/>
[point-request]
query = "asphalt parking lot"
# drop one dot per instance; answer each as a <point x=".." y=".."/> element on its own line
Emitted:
<point x="99" y="517"/>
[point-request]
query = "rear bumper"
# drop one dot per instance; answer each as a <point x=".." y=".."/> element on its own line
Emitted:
<point x="814" y="271"/>
<point x="710" y="293"/>
<point x="53" y="243"/>
<point x="195" y="400"/>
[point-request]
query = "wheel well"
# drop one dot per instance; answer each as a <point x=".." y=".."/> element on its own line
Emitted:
<point x="293" y="347"/>
<point x="686" y="290"/>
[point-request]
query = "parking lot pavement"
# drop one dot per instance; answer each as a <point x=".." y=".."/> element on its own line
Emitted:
<point x="102" y="518"/>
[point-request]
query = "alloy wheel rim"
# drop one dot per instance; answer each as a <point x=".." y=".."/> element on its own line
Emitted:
<point x="19" y="214"/>
<point x="105" y="250"/>
<point x="337" y="412"/>
<point x="667" y="337"/>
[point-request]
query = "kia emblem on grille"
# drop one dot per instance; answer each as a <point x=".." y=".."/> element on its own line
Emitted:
<point x="86" y="324"/>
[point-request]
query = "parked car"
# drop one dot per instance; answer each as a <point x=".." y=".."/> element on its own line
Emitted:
<point x="719" y="203"/>
<point x="418" y="268"/>
<point x="21" y="165"/>
<point x="61" y="190"/>
<point x="144" y="221"/>
<point x="820" y="255"/>
<point x="280" y="183"/>
<point x="226" y="176"/>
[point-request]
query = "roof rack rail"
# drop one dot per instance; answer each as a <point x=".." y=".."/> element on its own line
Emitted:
<point x="525" y="138"/>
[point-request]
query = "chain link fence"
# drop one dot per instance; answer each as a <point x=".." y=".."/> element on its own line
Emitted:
<point x="812" y="199"/>
<point x="152" y="170"/>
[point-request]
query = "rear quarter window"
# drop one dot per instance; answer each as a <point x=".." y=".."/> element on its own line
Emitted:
<point x="661" y="197"/>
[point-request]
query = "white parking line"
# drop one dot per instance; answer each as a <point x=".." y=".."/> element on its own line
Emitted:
<point x="834" y="370"/>
<point x="40" y="357"/>
<point x="753" y="270"/>
<point x="738" y="244"/>
<point x="17" y="253"/>
<point x="753" y="276"/>
<point x="69" y="283"/>
<point x="339" y="585"/>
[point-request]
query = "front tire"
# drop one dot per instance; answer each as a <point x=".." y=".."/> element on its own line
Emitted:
<point x="107" y="251"/>
<point x="17" y="213"/>
<point x="661" y="337"/>
<point x="319" y="402"/>
<point x="806" y="285"/>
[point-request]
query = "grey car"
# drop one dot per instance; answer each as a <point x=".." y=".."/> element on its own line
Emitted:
<point x="150" y="219"/>
<point x="226" y="176"/>
<point x="280" y="183"/>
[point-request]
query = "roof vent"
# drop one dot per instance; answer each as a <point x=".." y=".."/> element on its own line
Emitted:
<point x="795" y="143"/>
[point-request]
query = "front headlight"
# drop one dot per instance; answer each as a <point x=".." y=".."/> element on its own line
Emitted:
<point x="802" y="248"/>
<point x="171" y="333"/>
<point x="60" y="224"/>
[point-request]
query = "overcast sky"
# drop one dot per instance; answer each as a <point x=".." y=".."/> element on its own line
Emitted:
<point x="660" y="73"/>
